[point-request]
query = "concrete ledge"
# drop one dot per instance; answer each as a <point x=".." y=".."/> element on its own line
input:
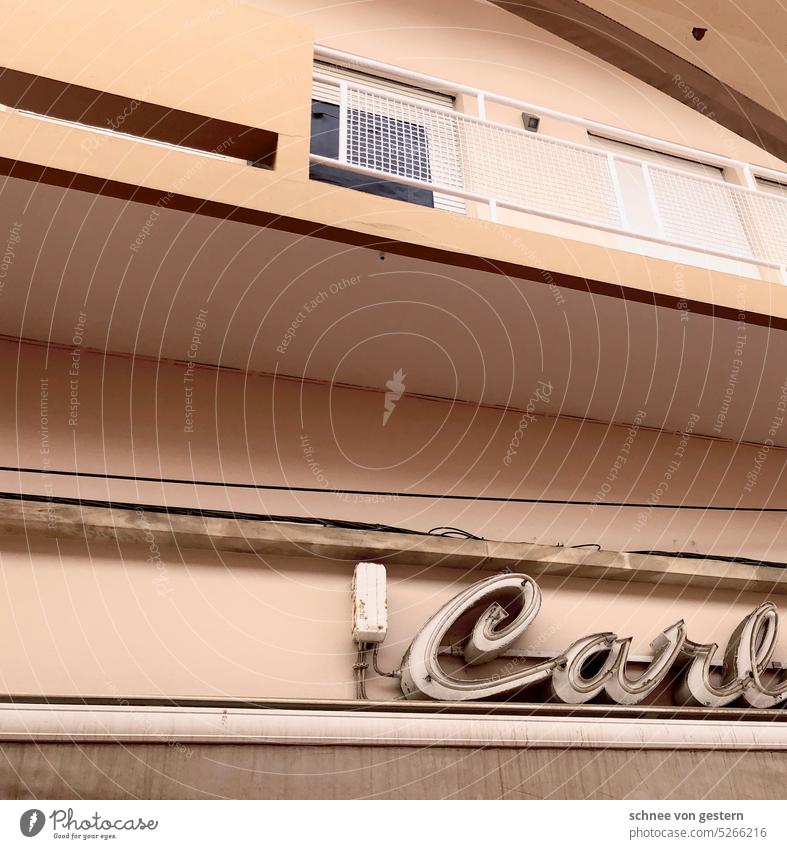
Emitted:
<point x="44" y="518"/>
<point x="113" y="724"/>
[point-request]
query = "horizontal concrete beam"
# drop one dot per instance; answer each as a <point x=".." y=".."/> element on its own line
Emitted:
<point x="44" y="518"/>
<point x="93" y="108"/>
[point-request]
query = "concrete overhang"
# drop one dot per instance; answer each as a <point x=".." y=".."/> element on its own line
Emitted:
<point x="161" y="275"/>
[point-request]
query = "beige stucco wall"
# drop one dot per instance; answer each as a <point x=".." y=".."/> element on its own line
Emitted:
<point x="170" y="54"/>
<point x="247" y="428"/>
<point x="220" y="59"/>
<point x="81" y="619"/>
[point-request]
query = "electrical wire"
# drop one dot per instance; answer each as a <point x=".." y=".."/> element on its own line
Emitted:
<point x="693" y="555"/>
<point x="454" y="533"/>
<point x="390" y="494"/>
<point x="359" y="670"/>
<point x="395" y="673"/>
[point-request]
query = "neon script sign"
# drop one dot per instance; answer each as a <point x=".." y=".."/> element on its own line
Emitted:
<point x="479" y="620"/>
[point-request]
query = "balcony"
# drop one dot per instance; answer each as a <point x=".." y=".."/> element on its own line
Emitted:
<point x="657" y="197"/>
<point x="143" y="234"/>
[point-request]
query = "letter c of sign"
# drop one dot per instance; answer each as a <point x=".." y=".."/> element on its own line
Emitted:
<point x="474" y="618"/>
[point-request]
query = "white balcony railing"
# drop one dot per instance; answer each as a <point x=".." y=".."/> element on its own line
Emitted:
<point x="399" y="138"/>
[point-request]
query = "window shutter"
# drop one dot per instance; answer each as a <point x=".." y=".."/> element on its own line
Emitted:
<point x="329" y="93"/>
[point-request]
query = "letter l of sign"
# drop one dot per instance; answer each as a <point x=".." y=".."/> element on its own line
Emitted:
<point x="753" y="654"/>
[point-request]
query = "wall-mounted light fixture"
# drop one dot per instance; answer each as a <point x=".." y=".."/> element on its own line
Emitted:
<point x="531" y="122"/>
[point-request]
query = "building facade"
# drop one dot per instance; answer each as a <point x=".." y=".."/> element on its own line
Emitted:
<point x="290" y="287"/>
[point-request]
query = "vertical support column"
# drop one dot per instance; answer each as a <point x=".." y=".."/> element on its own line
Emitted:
<point x="748" y="213"/>
<point x="344" y="114"/>
<point x="613" y="175"/>
<point x="480" y="100"/>
<point x="748" y="177"/>
<point x="652" y="198"/>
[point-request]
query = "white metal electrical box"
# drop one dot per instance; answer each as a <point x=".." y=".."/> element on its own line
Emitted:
<point x="370" y="606"/>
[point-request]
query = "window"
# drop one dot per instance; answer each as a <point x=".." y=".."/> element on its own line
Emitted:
<point x="380" y="143"/>
<point x="375" y="140"/>
<point x="633" y="188"/>
<point x="771" y="187"/>
<point x="684" y="200"/>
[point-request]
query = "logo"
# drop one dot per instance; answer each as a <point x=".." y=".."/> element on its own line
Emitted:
<point x="395" y="388"/>
<point x="31" y="822"/>
<point x="591" y="665"/>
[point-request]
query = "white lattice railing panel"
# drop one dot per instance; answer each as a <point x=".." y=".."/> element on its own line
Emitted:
<point x="522" y="168"/>
<point x="717" y="216"/>
<point x="446" y="149"/>
<point x="766" y="220"/>
<point x="402" y="137"/>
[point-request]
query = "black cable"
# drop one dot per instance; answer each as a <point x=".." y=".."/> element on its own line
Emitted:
<point x="693" y="555"/>
<point x="389" y="494"/>
<point x="454" y="533"/>
<point x="330" y="523"/>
